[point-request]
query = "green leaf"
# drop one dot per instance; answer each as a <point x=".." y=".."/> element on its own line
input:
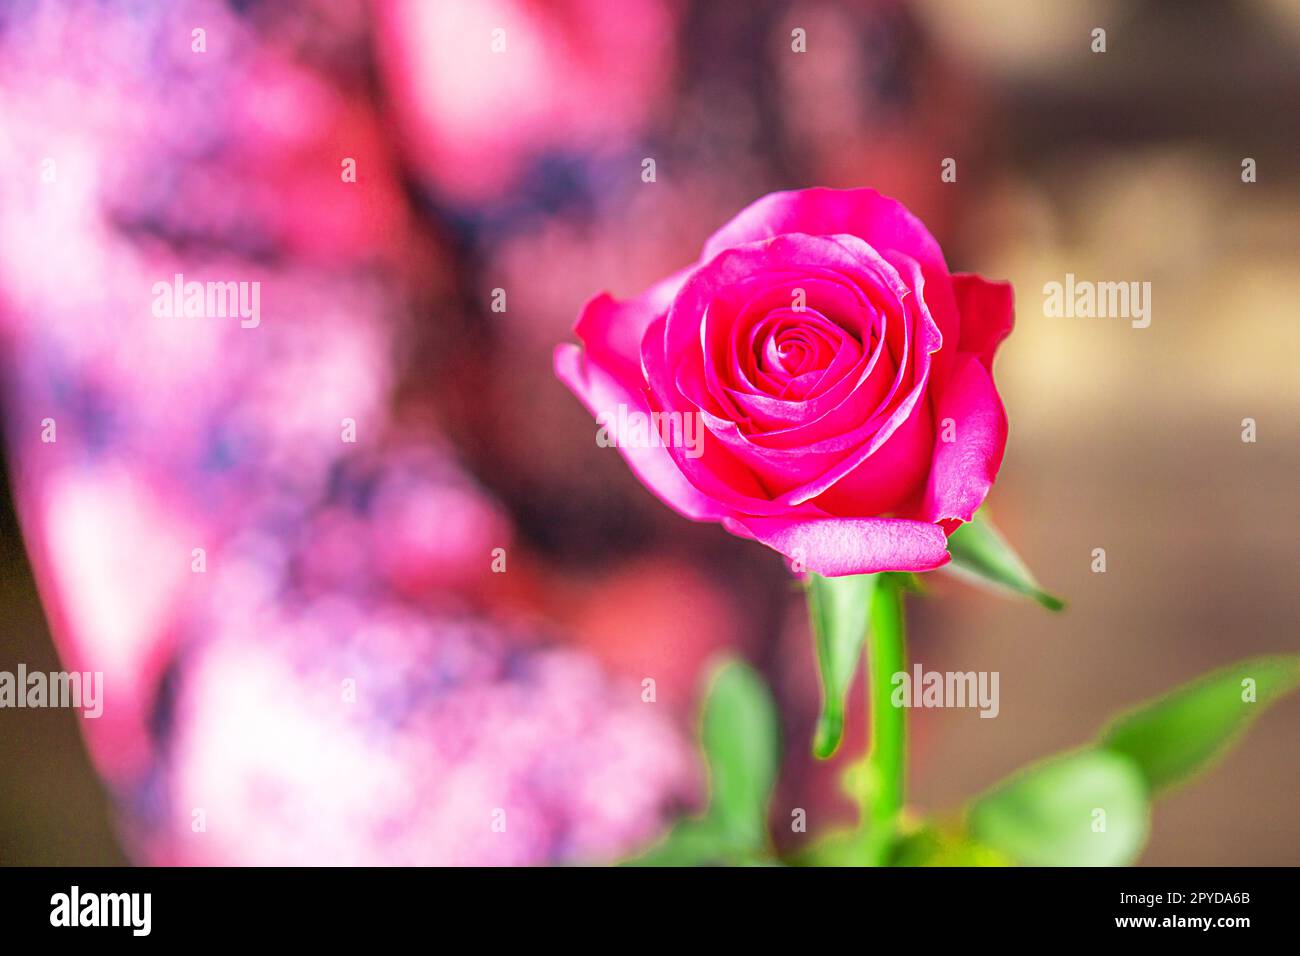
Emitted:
<point x="839" y="847"/>
<point x="690" y="843"/>
<point x="936" y="845"/>
<point x="1178" y="735"/>
<point x="980" y="554"/>
<point x="739" y="735"/>
<point x="928" y="843"/>
<point x="838" y="609"/>
<point x="1048" y="814"/>
<point x="1045" y="815"/>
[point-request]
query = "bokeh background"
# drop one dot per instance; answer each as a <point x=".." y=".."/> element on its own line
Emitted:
<point x="329" y="561"/>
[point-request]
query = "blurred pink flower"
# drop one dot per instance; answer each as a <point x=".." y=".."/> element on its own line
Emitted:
<point x="483" y="88"/>
<point x="349" y="733"/>
<point x="202" y="527"/>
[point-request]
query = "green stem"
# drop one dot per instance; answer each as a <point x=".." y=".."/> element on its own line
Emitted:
<point x="887" y="756"/>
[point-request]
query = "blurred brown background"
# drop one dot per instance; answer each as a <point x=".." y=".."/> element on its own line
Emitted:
<point x="1126" y="165"/>
<point x="1122" y="166"/>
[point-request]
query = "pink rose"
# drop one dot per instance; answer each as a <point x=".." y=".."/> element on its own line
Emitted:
<point x="817" y="381"/>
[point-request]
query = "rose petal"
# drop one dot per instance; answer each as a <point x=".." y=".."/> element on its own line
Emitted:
<point x="964" y="469"/>
<point x="602" y="393"/>
<point x="928" y="341"/>
<point x="988" y="313"/>
<point x="704" y="300"/>
<point x="716" y="473"/>
<point x="612" y="329"/>
<point x="838" y="546"/>
<point x="882" y="222"/>
<point x="885" y="224"/>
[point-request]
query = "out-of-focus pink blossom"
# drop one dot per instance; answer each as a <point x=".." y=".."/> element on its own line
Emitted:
<point x="484" y="88"/>
<point x="339" y="732"/>
<point x="229" y="518"/>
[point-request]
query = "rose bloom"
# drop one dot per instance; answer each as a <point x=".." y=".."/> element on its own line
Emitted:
<point x="818" y="381"/>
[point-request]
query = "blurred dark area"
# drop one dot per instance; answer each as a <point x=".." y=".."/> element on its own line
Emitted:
<point x="53" y="808"/>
